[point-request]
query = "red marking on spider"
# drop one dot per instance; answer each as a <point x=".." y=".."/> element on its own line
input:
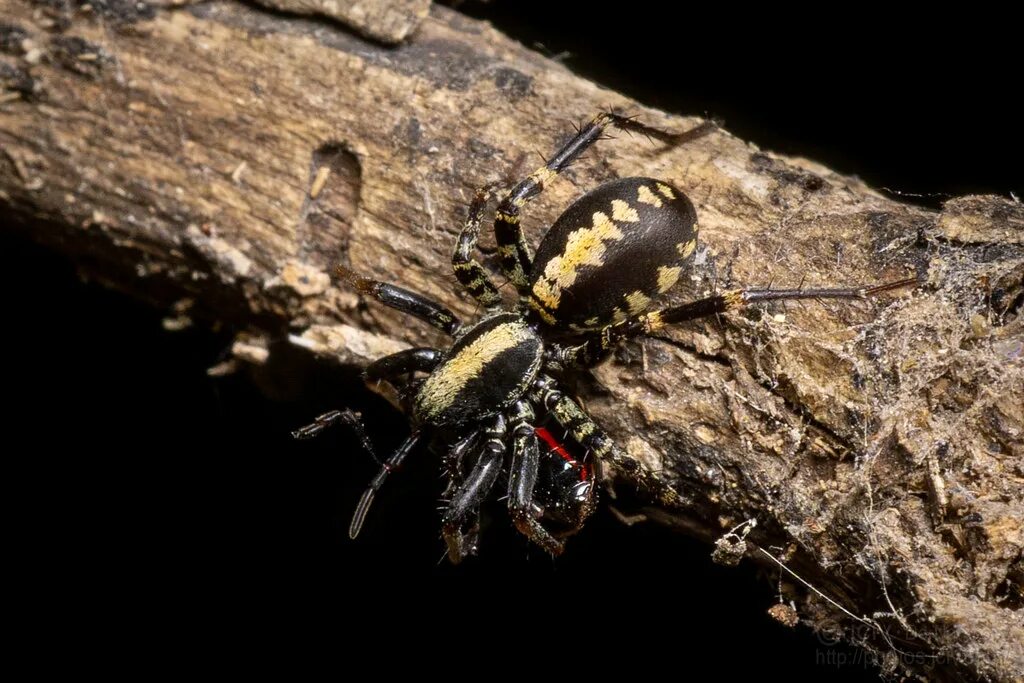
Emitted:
<point x="553" y="443"/>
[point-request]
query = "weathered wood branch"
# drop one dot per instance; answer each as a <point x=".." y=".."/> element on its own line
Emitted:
<point x="230" y="157"/>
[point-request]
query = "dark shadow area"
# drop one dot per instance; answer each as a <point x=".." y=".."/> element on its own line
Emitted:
<point x="897" y="99"/>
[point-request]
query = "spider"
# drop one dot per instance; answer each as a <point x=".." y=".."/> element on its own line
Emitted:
<point x="589" y="287"/>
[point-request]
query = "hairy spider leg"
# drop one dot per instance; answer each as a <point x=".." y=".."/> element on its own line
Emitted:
<point x="594" y="349"/>
<point x="586" y="432"/>
<point x="523" y="479"/>
<point x="468" y="270"/>
<point x="404" y="300"/>
<point x="464" y="538"/>
<point x="513" y="250"/>
<point x="471" y="492"/>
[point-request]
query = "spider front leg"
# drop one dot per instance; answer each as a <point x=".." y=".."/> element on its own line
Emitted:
<point x="404" y="300"/>
<point x="329" y="419"/>
<point x="405" y="362"/>
<point x="392" y="464"/>
<point x="353" y="420"/>
<point x="523" y="479"/>
<point x="594" y="349"/>
<point x="586" y="432"/>
<point x="386" y="368"/>
<point x="472" y="492"/>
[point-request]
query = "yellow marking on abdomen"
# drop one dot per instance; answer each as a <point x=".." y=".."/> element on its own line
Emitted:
<point x="584" y="247"/>
<point x="444" y="384"/>
<point x="645" y="195"/>
<point x="637" y="301"/>
<point x="686" y="248"/>
<point x="666" y="191"/>
<point x="668" y="276"/>
<point x="537" y="303"/>
<point x="623" y="212"/>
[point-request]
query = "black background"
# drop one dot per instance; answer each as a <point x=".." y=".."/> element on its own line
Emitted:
<point x="176" y="506"/>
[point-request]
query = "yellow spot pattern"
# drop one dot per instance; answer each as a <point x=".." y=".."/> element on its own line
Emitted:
<point x="537" y="306"/>
<point x="667" y="277"/>
<point x="444" y="384"/>
<point x="623" y="212"/>
<point x="637" y="301"/>
<point x="645" y="195"/>
<point x="584" y="247"/>
<point x="686" y="248"/>
<point x="666" y="191"/>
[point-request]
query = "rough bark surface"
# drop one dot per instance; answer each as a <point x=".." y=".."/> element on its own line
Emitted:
<point x="227" y="157"/>
<point x="389" y="21"/>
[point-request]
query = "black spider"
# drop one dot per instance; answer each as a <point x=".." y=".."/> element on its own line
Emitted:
<point x="589" y="287"/>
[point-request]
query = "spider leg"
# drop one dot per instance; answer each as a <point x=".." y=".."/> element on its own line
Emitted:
<point x="473" y="491"/>
<point x="404" y="300"/>
<point x="392" y="464"/>
<point x="586" y="432"/>
<point x="468" y="270"/>
<point x="403" y="363"/>
<point x="329" y="419"/>
<point x="593" y="350"/>
<point x="386" y="368"/>
<point x="523" y="479"/>
<point x="513" y="250"/>
<point x="465" y="538"/>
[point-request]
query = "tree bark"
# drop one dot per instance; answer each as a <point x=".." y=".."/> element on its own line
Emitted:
<point x="227" y="157"/>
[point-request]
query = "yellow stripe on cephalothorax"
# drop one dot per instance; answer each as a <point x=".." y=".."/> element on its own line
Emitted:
<point x="584" y="247"/>
<point x="645" y="195"/>
<point x="443" y="385"/>
<point x="666" y="191"/>
<point x="668" y="276"/>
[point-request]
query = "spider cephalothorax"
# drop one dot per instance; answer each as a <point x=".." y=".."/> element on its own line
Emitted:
<point x="590" y="286"/>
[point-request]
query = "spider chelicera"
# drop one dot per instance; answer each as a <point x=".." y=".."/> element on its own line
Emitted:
<point x="589" y="287"/>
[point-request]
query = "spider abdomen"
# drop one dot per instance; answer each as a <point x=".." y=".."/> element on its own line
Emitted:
<point x="487" y="370"/>
<point x="612" y="253"/>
